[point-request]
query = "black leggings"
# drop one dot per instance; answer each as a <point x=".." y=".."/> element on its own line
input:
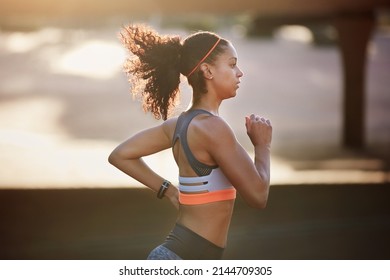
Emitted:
<point x="191" y="246"/>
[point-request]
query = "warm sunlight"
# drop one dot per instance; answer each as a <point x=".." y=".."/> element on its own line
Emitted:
<point x="93" y="59"/>
<point x="23" y="42"/>
<point x="296" y="33"/>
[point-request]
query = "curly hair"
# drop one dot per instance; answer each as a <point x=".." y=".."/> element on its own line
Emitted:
<point x="156" y="64"/>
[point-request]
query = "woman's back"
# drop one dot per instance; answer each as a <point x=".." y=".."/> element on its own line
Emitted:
<point x="206" y="196"/>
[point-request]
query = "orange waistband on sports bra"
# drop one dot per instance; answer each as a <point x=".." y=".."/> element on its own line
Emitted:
<point x="208" y="197"/>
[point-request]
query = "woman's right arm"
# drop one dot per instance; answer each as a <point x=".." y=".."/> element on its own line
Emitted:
<point x="251" y="179"/>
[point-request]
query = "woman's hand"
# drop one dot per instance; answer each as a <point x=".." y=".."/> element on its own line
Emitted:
<point x="172" y="194"/>
<point x="259" y="130"/>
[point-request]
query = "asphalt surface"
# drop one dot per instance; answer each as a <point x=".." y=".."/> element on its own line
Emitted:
<point x="300" y="222"/>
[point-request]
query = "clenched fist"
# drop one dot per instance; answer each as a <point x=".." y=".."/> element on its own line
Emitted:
<point x="259" y="130"/>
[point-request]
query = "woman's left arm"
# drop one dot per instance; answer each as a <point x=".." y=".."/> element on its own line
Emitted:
<point x="127" y="157"/>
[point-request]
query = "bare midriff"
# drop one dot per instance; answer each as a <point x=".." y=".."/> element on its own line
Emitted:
<point x="211" y="220"/>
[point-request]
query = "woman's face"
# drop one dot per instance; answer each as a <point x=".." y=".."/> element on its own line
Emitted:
<point x="225" y="73"/>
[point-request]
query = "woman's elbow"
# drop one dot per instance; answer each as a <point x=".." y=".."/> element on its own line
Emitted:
<point x="260" y="199"/>
<point x="114" y="158"/>
<point x="120" y="156"/>
<point x="259" y="203"/>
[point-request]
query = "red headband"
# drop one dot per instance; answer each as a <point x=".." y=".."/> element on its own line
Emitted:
<point x="204" y="58"/>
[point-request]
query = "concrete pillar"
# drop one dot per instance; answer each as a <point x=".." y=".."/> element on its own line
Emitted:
<point x="354" y="32"/>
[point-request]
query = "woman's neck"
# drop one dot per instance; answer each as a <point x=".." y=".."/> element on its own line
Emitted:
<point x="207" y="103"/>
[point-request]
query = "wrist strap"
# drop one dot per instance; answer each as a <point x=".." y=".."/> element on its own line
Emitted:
<point x="163" y="189"/>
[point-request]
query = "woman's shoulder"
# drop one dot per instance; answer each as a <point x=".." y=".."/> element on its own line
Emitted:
<point x="213" y="127"/>
<point x="169" y="126"/>
<point x="207" y="127"/>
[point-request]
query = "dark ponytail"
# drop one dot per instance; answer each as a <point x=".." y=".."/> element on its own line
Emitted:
<point x="154" y="70"/>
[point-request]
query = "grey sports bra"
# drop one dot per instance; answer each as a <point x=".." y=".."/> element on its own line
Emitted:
<point x="211" y="185"/>
<point x="182" y="124"/>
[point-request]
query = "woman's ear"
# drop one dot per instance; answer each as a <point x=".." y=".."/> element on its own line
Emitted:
<point x="204" y="67"/>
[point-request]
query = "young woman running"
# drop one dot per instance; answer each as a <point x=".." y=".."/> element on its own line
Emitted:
<point x="212" y="164"/>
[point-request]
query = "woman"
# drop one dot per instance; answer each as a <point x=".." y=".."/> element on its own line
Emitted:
<point x="212" y="164"/>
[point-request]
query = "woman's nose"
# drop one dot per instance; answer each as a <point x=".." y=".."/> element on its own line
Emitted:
<point x="240" y="73"/>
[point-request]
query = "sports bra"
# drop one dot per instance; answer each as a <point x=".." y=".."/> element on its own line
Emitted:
<point x="211" y="185"/>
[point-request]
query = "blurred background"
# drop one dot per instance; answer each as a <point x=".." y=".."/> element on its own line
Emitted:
<point x="320" y="70"/>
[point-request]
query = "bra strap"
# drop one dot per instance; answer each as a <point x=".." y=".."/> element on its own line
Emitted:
<point x="181" y="129"/>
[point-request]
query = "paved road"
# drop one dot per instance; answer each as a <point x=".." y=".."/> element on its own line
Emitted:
<point x="300" y="222"/>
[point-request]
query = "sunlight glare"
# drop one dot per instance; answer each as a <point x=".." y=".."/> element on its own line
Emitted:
<point x="93" y="59"/>
<point x="23" y="42"/>
<point x="296" y="33"/>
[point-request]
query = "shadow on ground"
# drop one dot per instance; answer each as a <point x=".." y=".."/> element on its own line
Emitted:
<point x="300" y="222"/>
